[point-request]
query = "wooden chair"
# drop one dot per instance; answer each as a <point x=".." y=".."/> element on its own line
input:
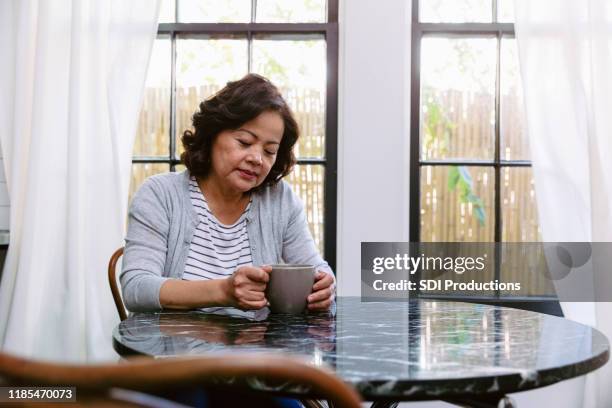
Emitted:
<point x="112" y="280"/>
<point x="124" y="383"/>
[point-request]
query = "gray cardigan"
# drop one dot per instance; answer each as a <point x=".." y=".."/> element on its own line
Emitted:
<point x="162" y="221"/>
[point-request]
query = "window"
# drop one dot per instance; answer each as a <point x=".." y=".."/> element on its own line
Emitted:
<point x="201" y="45"/>
<point x="471" y="176"/>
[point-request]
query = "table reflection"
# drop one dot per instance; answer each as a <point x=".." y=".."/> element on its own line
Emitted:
<point x="416" y="349"/>
<point x="171" y="333"/>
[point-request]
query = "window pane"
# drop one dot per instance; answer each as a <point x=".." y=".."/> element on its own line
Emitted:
<point x="505" y="11"/>
<point x="297" y="65"/>
<point x="519" y="209"/>
<point x="203" y="66"/>
<point x="152" y="137"/>
<point x="514" y="141"/>
<point x="458" y="98"/>
<point x="291" y="11"/>
<point x="456" y="11"/>
<point x="140" y="172"/>
<point x="307" y="181"/>
<point x="214" y="11"/>
<point x="457" y="204"/>
<point x="167" y="12"/>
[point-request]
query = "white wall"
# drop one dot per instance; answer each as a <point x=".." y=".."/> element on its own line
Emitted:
<point x="4" y="198"/>
<point x="373" y="130"/>
<point x="373" y="151"/>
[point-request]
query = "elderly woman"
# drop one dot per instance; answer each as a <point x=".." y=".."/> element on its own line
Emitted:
<point x="202" y="238"/>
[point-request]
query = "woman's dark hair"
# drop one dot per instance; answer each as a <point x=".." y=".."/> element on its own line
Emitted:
<point x="239" y="102"/>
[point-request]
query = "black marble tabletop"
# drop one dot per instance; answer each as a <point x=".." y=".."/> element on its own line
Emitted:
<point x="391" y="350"/>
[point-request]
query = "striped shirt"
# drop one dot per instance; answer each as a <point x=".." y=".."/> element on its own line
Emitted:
<point x="216" y="249"/>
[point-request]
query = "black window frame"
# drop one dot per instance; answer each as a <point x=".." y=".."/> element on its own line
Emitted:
<point x="329" y="161"/>
<point x="498" y="30"/>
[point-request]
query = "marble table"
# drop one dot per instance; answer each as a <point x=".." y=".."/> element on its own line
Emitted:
<point x="458" y="352"/>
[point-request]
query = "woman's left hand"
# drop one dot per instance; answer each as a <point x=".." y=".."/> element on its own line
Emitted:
<point x="322" y="294"/>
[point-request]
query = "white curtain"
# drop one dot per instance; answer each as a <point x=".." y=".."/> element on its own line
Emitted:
<point x="565" y="52"/>
<point x="71" y="83"/>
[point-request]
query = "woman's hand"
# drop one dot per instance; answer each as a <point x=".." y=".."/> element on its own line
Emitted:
<point x="245" y="288"/>
<point x="322" y="294"/>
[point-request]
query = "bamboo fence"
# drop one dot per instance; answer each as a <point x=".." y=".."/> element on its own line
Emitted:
<point x="445" y="218"/>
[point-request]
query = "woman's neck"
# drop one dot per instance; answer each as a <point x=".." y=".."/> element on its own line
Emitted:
<point x="224" y="203"/>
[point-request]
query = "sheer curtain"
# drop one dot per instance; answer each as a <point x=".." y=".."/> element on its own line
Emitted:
<point x="565" y="49"/>
<point x="71" y="83"/>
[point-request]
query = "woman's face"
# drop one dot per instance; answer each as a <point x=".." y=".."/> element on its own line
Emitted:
<point x="242" y="158"/>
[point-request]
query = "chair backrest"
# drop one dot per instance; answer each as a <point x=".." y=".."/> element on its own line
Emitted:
<point x="99" y="382"/>
<point x="112" y="280"/>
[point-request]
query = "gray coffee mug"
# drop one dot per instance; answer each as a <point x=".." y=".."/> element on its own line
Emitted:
<point x="289" y="287"/>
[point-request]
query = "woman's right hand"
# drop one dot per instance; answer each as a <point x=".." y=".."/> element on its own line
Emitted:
<point x="245" y="288"/>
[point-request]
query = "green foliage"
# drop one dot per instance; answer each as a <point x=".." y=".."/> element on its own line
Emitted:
<point x="275" y="71"/>
<point x="283" y="13"/>
<point x="437" y="127"/>
<point x="459" y="179"/>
